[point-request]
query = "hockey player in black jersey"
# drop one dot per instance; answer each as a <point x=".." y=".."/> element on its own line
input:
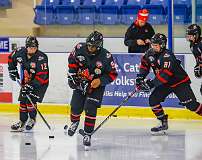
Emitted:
<point x="35" y="79"/>
<point x="91" y="68"/>
<point x="169" y="77"/>
<point x="193" y="35"/>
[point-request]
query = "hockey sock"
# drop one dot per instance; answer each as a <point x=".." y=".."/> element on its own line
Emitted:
<point x="158" y="111"/>
<point x="75" y="117"/>
<point x="32" y="111"/>
<point x="23" y="112"/>
<point x="89" y="123"/>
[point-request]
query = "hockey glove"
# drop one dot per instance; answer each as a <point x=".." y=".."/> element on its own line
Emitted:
<point x="73" y="81"/>
<point x="29" y="90"/>
<point x="13" y="74"/>
<point x="138" y="81"/>
<point x="85" y="87"/>
<point x="198" y="71"/>
<point x="146" y="85"/>
<point x="95" y="83"/>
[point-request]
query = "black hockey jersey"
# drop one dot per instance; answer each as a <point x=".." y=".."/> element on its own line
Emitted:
<point x="196" y="49"/>
<point x="166" y="67"/>
<point x="34" y="71"/>
<point x="99" y="65"/>
<point x="133" y="33"/>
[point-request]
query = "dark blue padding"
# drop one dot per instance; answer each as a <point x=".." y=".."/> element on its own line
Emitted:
<point x="118" y="3"/>
<point x="5" y="3"/>
<point x="65" y="15"/>
<point x="44" y="15"/>
<point x="156" y="14"/>
<point x="199" y="13"/>
<point x="50" y="2"/>
<point x="181" y="14"/>
<point x="136" y="2"/>
<point x="129" y="13"/>
<point x="86" y="15"/>
<point x="74" y="3"/>
<point x="159" y="2"/>
<point x="108" y="15"/>
<point x="96" y="3"/>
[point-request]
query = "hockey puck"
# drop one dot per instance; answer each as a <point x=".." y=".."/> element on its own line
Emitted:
<point x="65" y="127"/>
<point x="51" y="136"/>
<point x="114" y="115"/>
<point x="27" y="143"/>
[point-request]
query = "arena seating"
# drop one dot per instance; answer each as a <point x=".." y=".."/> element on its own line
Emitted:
<point x="110" y="12"/>
<point x="5" y="3"/>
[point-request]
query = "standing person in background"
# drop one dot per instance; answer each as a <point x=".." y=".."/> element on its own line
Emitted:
<point x="35" y="80"/>
<point x="138" y="35"/>
<point x="91" y="68"/>
<point x="193" y="35"/>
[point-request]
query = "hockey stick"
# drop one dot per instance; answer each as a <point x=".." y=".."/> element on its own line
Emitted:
<point x="28" y="97"/>
<point x="81" y="131"/>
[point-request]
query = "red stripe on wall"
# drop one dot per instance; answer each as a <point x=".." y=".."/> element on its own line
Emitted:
<point x="4" y="58"/>
<point x="6" y="97"/>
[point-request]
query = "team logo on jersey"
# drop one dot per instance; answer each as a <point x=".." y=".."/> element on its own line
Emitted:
<point x="99" y="64"/>
<point x="151" y="58"/>
<point x="19" y="59"/>
<point x="33" y="65"/>
<point x="108" y="55"/>
<point x="166" y="55"/>
<point x="40" y="58"/>
<point x="97" y="71"/>
<point x="81" y="58"/>
<point x="146" y="30"/>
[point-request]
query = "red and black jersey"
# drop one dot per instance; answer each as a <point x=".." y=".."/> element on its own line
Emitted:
<point x="99" y="65"/>
<point x="167" y="69"/>
<point x="196" y="49"/>
<point x="34" y="70"/>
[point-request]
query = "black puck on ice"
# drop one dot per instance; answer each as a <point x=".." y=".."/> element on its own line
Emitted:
<point x="65" y="127"/>
<point x="27" y="143"/>
<point x="51" y="136"/>
<point x="114" y="115"/>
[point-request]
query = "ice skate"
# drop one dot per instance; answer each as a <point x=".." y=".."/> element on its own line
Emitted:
<point x="161" y="129"/>
<point x="30" y="124"/>
<point x="87" y="142"/>
<point x="18" y="127"/>
<point x="72" y="129"/>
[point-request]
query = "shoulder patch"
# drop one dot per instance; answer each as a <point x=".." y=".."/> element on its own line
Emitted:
<point x="108" y="55"/>
<point x="40" y="58"/>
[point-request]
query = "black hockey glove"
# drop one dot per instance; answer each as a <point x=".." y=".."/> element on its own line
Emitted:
<point x="73" y="81"/>
<point x="29" y="90"/>
<point x="146" y="85"/>
<point x="13" y="74"/>
<point x="198" y="71"/>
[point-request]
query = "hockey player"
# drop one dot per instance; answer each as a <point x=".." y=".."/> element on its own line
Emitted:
<point x="91" y="68"/>
<point x="35" y="79"/>
<point x="138" y="35"/>
<point x="169" y="77"/>
<point x="193" y="35"/>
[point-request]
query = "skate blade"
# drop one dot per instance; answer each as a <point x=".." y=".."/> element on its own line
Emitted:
<point x="86" y="148"/>
<point x="160" y="133"/>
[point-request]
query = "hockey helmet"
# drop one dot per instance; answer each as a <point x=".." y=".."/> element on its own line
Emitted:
<point x="160" y="39"/>
<point x="194" y="30"/>
<point x="95" y="39"/>
<point x="31" y="42"/>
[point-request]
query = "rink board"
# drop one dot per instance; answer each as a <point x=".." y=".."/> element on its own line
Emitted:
<point x="141" y="112"/>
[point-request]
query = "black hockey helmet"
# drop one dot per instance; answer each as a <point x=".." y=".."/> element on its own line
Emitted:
<point x="31" y="42"/>
<point x="95" y="39"/>
<point x="194" y="30"/>
<point x="160" y="39"/>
